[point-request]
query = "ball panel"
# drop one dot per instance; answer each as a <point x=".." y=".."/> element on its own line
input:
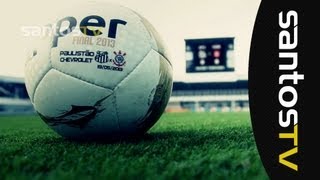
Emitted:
<point x="37" y="66"/>
<point x="140" y="93"/>
<point x="160" y="97"/>
<point x="134" y="93"/>
<point x="62" y="100"/>
<point x="103" y="126"/>
<point x="99" y="59"/>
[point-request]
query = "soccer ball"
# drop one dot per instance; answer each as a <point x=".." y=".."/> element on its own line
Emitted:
<point x="102" y="72"/>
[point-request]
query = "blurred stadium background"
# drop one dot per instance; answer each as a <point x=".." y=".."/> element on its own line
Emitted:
<point x="13" y="96"/>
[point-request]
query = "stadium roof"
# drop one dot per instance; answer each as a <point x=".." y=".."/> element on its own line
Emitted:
<point x="241" y="84"/>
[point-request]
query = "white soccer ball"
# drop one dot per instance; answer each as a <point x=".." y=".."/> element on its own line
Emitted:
<point x="103" y="72"/>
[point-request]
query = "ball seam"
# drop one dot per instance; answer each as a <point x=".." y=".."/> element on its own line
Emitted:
<point x="163" y="56"/>
<point x="37" y="84"/>
<point x="116" y="109"/>
<point x="133" y="69"/>
<point x="81" y="79"/>
<point x="44" y="74"/>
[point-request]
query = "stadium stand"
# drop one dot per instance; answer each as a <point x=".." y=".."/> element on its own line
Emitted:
<point x="14" y="97"/>
<point x="210" y="96"/>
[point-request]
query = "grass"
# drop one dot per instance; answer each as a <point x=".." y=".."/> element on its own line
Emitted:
<point x="179" y="146"/>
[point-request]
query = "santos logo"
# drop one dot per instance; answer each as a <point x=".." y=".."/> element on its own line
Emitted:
<point x="91" y="21"/>
<point x="288" y="117"/>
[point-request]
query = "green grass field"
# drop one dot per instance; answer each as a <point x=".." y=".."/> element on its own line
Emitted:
<point x="179" y="146"/>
